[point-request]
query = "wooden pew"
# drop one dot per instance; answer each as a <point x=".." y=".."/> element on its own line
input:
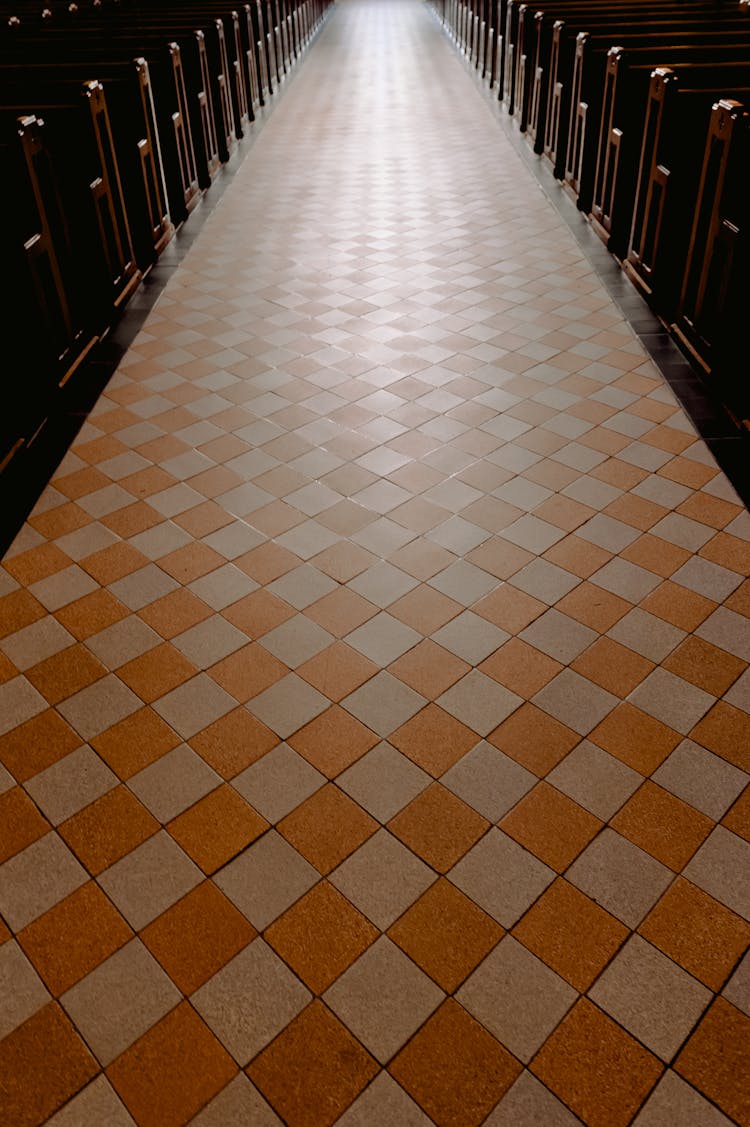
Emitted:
<point x="632" y="109"/>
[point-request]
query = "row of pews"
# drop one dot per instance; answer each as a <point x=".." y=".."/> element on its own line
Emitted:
<point x="640" y="108"/>
<point x="116" y="116"/>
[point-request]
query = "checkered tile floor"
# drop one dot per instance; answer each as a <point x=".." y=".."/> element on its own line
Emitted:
<point x="375" y="704"/>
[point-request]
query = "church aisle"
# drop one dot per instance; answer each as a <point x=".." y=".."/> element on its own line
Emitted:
<point x="374" y="690"/>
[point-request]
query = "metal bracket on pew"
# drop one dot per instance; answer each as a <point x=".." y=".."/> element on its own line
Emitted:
<point x="243" y="109"/>
<point x="516" y="106"/>
<point x="254" y="94"/>
<point x="272" y="43"/>
<point x="494" y="45"/>
<point x="608" y="152"/>
<point x="225" y="97"/>
<point x="111" y="214"/>
<point x="714" y="237"/>
<point x="183" y="134"/>
<point x="535" y="95"/>
<point x="205" y="103"/>
<point x="653" y="178"/>
<point x="264" y="77"/>
<point x="506" y="90"/>
<point x="554" y="99"/>
<point x="578" y="113"/>
<point x="274" y="35"/>
<point x="151" y="164"/>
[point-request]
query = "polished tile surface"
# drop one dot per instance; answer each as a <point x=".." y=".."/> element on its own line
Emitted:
<point x="374" y="705"/>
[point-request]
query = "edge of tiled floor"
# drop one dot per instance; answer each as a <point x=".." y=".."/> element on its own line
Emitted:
<point x="728" y="442"/>
<point x="24" y="480"/>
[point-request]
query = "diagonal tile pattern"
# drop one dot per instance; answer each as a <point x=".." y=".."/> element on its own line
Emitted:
<point x="374" y="711"/>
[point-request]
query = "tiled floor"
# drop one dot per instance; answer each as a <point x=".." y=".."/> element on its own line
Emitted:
<point x="375" y="705"/>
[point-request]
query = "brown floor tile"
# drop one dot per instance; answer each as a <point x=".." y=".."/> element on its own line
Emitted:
<point x="594" y="607"/>
<point x="636" y="511"/>
<point x="248" y="672"/>
<point x="663" y="825"/>
<point x="551" y="826"/>
<point x="78" y="484"/>
<point x="446" y="934"/>
<point x="716" y="1059"/>
<point x="434" y="740"/>
<point x="668" y="439"/>
<point x="636" y="738"/>
<point x="698" y="932"/>
<point x="656" y="555"/>
<point x="564" y="512"/>
<point x="174" y="613"/>
<point x="258" y="612"/>
<point x="704" y="665"/>
<point x="190" y="561"/>
<point x="203" y="519"/>
<point x="197" y="936"/>
<point x="727" y="551"/>
<point x="333" y="741"/>
<point x="571" y="934"/>
<point x="92" y="613"/>
<point x="233" y="742"/>
<point x="739" y="600"/>
<point x="65" y="673"/>
<point x="725" y="730"/>
<point x="42" y="1064"/>
<point x="534" y="739"/>
<point x="623" y="475"/>
<point x="327" y="827"/>
<point x="267" y="562"/>
<point x="100" y="449"/>
<point x="438" y="827"/>
<point x="131" y="520"/>
<point x="20" y="823"/>
<point x="145" y="482"/>
<point x="337" y="671"/>
<point x="738" y="818"/>
<point x="37" y="744"/>
<point x="113" y="563"/>
<point x="133" y="743"/>
<point x="168" y="1075"/>
<point x="499" y="557"/>
<point x="37" y="563"/>
<point x="58" y="522"/>
<point x="156" y="672"/>
<point x="612" y="666"/>
<point x="596" y="1068"/>
<point x="341" y="612"/>
<point x="678" y="605"/>
<point x="509" y="608"/>
<point x="709" y="510"/>
<point x="320" y="936"/>
<point x="520" y="667"/>
<point x="313" y="1070"/>
<point x="343" y="561"/>
<point x="454" y="1069"/>
<point x="578" y="556"/>
<point x="74" y="937"/>
<point x="422" y="559"/>
<point x="7" y="669"/>
<point x="429" y="669"/>
<point x="107" y="829"/>
<point x="217" y="828"/>
<point x="19" y="609"/>
<point x="425" y="609"/>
